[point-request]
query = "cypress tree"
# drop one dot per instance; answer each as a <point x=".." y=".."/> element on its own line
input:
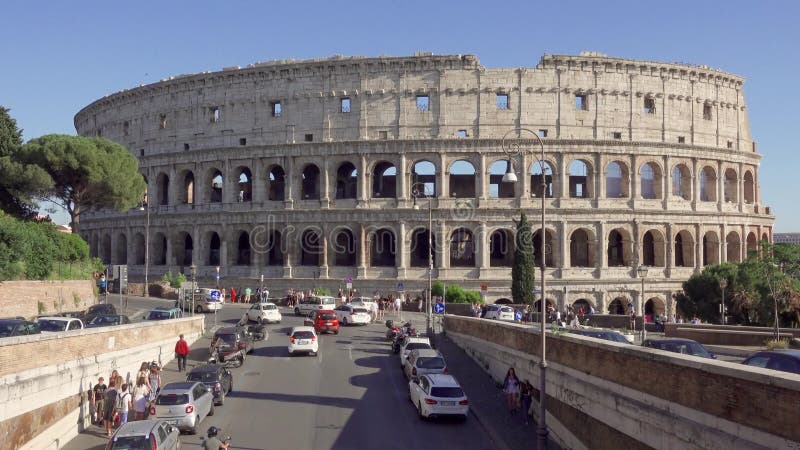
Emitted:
<point x="523" y="272"/>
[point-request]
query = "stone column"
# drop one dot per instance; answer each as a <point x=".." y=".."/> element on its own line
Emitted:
<point x="698" y="244"/>
<point x="323" y="263"/>
<point x="324" y="197"/>
<point x="257" y="183"/>
<point x="362" y="252"/>
<point x="443" y="178"/>
<point x="230" y="184"/>
<point x="667" y="182"/>
<point x="601" y="179"/>
<point x="720" y="185"/>
<point x="740" y="188"/>
<point x="634" y="179"/>
<point x="287" y="235"/>
<point x="401" y="180"/>
<point x="483" y="247"/>
<point x="522" y="164"/>
<point x="481" y="183"/>
<point x="444" y="240"/>
<point x="364" y="187"/>
<point x="722" y="253"/>
<point x="563" y="177"/>
<point x="173" y="197"/>
<point x="602" y="238"/>
<point x="401" y="250"/>
<point x="197" y="260"/>
<point x="564" y="244"/>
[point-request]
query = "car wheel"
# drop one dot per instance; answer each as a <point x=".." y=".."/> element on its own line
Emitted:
<point x="230" y="388"/>
<point x="297" y="311"/>
<point x="177" y="445"/>
<point x="193" y="430"/>
<point x="211" y="411"/>
<point x="344" y="321"/>
<point x="260" y="321"/>
<point x="198" y="309"/>
<point x="314" y="354"/>
<point x="221" y="398"/>
<point x="336" y="332"/>
<point x="419" y="411"/>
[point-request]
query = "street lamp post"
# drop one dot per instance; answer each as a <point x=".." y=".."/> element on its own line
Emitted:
<point x="416" y="192"/>
<point x="146" y="207"/>
<point x="511" y="177"/>
<point x="723" y="283"/>
<point x="193" y="270"/>
<point x="642" y="272"/>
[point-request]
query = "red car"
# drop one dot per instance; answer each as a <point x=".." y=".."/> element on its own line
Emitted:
<point x="323" y="320"/>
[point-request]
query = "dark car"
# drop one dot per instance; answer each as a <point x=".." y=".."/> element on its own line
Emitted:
<point x="217" y="378"/>
<point x="607" y="335"/>
<point x="678" y="345"/>
<point x="164" y="313"/>
<point x="107" y="320"/>
<point x="97" y="310"/>
<point x="784" y="360"/>
<point x="231" y="343"/>
<point x="17" y="327"/>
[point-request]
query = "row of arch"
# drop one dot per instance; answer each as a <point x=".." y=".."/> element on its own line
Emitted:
<point x="462" y="180"/>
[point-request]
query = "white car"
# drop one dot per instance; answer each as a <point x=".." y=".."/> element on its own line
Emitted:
<point x="438" y="395"/>
<point x="412" y="343"/>
<point x="314" y="303"/>
<point x="365" y="302"/>
<point x="352" y="315"/>
<point x="264" y="313"/>
<point x="424" y="362"/>
<point x="499" y="312"/>
<point x="303" y="340"/>
<point x="57" y="324"/>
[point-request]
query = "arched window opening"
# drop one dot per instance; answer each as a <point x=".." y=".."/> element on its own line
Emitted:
<point x="420" y="251"/>
<point x="138" y="249"/>
<point x="310" y="183"/>
<point x="216" y="187"/>
<point x="384" y="180"/>
<point x="619" y="252"/>
<point x="344" y="249"/>
<point x="243" y="251"/>
<point x="681" y="182"/>
<point x="582" y="304"/>
<point x="105" y="254"/>
<point x="346" y="181"/>
<point x="536" y="179"/>
<point x="708" y="185"/>
<point x="277" y="184"/>
<point x="579" y="180"/>
<point x="310" y="248"/>
<point x="733" y="247"/>
<point x="425" y="172"/>
<point x="648" y="249"/>
<point x="187" y="251"/>
<point x="498" y="189"/>
<point x="501" y="249"/>
<point x="617" y="182"/>
<point x="579" y="249"/>
<point x="245" y="192"/>
<point x="214" y="245"/>
<point x="653" y="308"/>
<point x="462" y="179"/>
<point x="548" y="248"/>
<point x="752" y="245"/>
<point x="121" y="246"/>
<point x="731" y="194"/>
<point x="383" y="248"/>
<point x="617" y="306"/>
<point x="162" y="183"/>
<point x="710" y="249"/>
<point x="749" y="188"/>
<point x="651" y="181"/>
<point x="462" y="248"/>
<point x="159" y="250"/>
<point x="275" y="249"/>
<point x="188" y="188"/>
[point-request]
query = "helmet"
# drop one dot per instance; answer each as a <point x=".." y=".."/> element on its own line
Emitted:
<point x="212" y="431"/>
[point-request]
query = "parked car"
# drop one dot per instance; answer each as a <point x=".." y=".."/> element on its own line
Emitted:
<point x="264" y="313"/>
<point x="679" y="345"/>
<point x="364" y="302"/>
<point x="205" y="300"/>
<point x="108" y="320"/>
<point x="499" y="312"/>
<point x="608" y="335"/>
<point x="96" y="310"/>
<point x="217" y="378"/>
<point x="314" y="303"/>
<point x="352" y="315"/>
<point x="53" y="324"/>
<point x="438" y="395"/>
<point x="303" y="340"/>
<point x="424" y="361"/>
<point x="323" y="321"/>
<point x="163" y="313"/>
<point x="17" y="327"/>
<point x="183" y="404"/>
<point x="412" y="343"/>
<point x="785" y="360"/>
<point x="145" y="434"/>
<point x="231" y="343"/>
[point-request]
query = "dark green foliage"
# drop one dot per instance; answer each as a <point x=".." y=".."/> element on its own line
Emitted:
<point x="523" y="272"/>
<point x="455" y="293"/>
<point x="19" y="182"/>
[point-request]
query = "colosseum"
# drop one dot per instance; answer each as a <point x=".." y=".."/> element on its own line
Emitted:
<point x="312" y="172"/>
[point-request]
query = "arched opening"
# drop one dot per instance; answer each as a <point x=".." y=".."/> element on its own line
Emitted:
<point x="310" y="183"/>
<point x="276" y="187"/>
<point x="582" y="304"/>
<point x="498" y="189"/>
<point x="187" y="194"/>
<point x="384" y="180"/>
<point x="216" y="183"/>
<point x="619" y="248"/>
<point x="138" y="249"/>
<point x="243" y="251"/>
<point x="503" y="301"/>
<point x="94" y="247"/>
<point x="275" y="249"/>
<point x="548" y="248"/>
<point x="651" y="181"/>
<point x="344" y="248"/>
<point x="537" y="305"/>
<point x="121" y="249"/>
<point x="617" y="306"/>
<point x="580" y="251"/>
<point x="580" y="180"/>
<point x="159" y="250"/>
<point x="162" y="189"/>
<point x="188" y="251"/>
<point x="733" y="246"/>
<point x="710" y="248"/>
<point x="684" y="249"/>
<point x="752" y="245"/>
<point x="105" y="250"/>
<point x="462" y="248"/>
<point x="310" y="248"/>
<point x="346" y="181"/>
<point x="214" y="245"/>
<point x="425" y="172"/>
<point x="536" y="179"/>
<point x="708" y="185"/>
<point x="420" y="251"/>
<point x="245" y="192"/>
<point x="749" y="188"/>
<point x="681" y="182"/>
<point x="653" y="308"/>
<point x="653" y="249"/>
<point x="382" y="250"/>
<point x="501" y="249"/>
<point x="182" y="248"/>
<point x="765" y="237"/>
<point x="617" y="180"/>
<point x="731" y="194"/>
<point x="462" y="179"/>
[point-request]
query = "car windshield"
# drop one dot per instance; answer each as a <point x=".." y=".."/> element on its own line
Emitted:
<point x="158" y="315"/>
<point x="303" y="335"/>
<point x="687" y="348"/>
<point x="447" y="392"/>
<point x="6" y="328"/>
<point x="172" y="399"/>
<point x="614" y="337"/>
<point x="269" y="307"/>
<point x="105" y="320"/>
<point x="506" y="309"/>
<point x="132" y="443"/>
<point x="205" y="377"/>
<point x="417" y="345"/>
<point x="52" y="325"/>
<point x="226" y="339"/>
<point x="434" y="362"/>
<point x="327" y="316"/>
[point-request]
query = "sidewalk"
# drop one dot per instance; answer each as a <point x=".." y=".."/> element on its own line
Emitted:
<point x="487" y="402"/>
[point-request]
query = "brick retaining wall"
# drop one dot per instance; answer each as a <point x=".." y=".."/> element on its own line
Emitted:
<point x="25" y="298"/>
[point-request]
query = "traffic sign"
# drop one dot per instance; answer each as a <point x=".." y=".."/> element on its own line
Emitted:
<point x="518" y="315"/>
<point x="484" y="287"/>
<point x="349" y="285"/>
<point x="349" y="280"/>
<point x="438" y="308"/>
<point x="215" y="296"/>
<point x="400" y="286"/>
<point x="536" y="291"/>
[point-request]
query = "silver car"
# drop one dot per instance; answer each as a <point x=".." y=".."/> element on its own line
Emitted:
<point x="183" y="405"/>
<point x="149" y="434"/>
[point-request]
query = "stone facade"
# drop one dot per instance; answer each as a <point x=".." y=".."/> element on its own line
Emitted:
<point x="307" y="172"/>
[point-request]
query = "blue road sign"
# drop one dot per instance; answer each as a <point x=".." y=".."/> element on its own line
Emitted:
<point x="400" y="286"/>
<point x="215" y="295"/>
<point x="536" y="292"/>
<point x="518" y="316"/>
<point x="438" y="308"/>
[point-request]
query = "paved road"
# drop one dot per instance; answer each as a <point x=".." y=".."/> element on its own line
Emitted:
<point x="352" y="396"/>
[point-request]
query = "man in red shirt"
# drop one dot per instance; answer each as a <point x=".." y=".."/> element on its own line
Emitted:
<point x="181" y="351"/>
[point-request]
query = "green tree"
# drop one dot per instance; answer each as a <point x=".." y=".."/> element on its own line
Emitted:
<point x="88" y="173"/>
<point x="523" y="272"/>
<point x="20" y="183"/>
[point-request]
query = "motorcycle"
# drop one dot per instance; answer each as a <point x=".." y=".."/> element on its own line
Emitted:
<point x="203" y="440"/>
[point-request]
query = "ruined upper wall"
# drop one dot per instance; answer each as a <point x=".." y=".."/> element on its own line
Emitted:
<point x="624" y="99"/>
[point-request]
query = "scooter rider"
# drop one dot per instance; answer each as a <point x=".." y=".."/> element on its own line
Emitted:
<point x="213" y="442"/>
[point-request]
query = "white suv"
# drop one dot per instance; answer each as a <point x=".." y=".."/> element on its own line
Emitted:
<point x="499" y="312"/>
<point x="314" y="303"/>
<point x="264" y="313"/>
<point x="412" y="343"/>
<point x="303" y="340"/>
<point x="437" y="395"/>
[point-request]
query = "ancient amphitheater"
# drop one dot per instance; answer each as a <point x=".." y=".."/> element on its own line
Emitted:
<point x="306" y="172"/>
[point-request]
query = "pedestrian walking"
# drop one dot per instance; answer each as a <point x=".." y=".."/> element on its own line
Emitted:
<point x="381" y="308"/>
<point x="511" y="389"/>
<point x="420" y="304"/>
<point x="140" y="394"/>
<point x="109" y="407"/>
<point x="233" y="295"/>
<point x="398" y="305"/>
<point x="247" y="293"/>
<point x="126" y="404"/>
<point x="98" y="396"/>
<point x="526" y="394"/>
<point x="181" y="352"/>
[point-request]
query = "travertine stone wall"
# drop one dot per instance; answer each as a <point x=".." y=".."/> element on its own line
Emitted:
<point x="25" y="298"/>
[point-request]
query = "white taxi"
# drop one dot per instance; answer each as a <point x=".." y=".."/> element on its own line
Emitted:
<point x="352" y="315"/>
<point x="303" y="340"/>
<point x="264" y="313"/>
<point x="438" y="395"/>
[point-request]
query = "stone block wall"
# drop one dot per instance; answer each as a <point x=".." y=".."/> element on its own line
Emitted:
<point x="33" y="298"/>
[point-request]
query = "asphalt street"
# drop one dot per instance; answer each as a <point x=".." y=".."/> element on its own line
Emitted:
<point x="352" y="396"/>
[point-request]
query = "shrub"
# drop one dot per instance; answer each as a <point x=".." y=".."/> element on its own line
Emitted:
<point x="174" y="281"/>
<point x="794" y="343"/>
<point x="777" y="344"/>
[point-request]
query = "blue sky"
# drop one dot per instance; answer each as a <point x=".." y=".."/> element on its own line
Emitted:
<point x="60" y="56"/>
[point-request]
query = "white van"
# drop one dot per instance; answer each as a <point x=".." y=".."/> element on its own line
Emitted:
<point x="314" y="303"/>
